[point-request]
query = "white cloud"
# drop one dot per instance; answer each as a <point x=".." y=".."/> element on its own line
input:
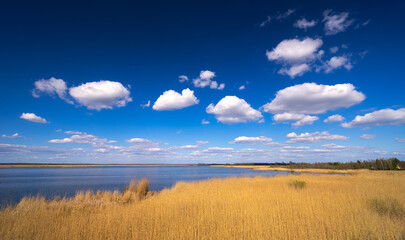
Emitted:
<point x="296" y="56"/>
<point x="295" y="50"/>
<point x="295" y="70"/>
<point x="304" y="24"/>
<point x="232" y="109"/>
<point x="33" y="118"/>
<point x="138" y="140"/>
<point x="265" y="22"/>
<point x="333" y="146"/>
<point x="336" y="23"/>
<point x="311" y="98"/>
<point x="381" y="117"/>
<point x="171" y="100"/>
<point x="204" y="122"/>
<point x="298" y="118"/>
<point x="307" y="120"/>
<point x="242" y="87"/>
<point x="202" y="142"/>
<point x="284" y="15"/>
<point x="185" y="147"/>
<point x="218" y="150"/>
<point x="205" y="80"/>
<point x="101" y="95"/>
<point x="244" y="139"/>
<point x="84" y="138"/>
<point x="51" y="87"/>
<point x="278" y="16"/>
<point x="313" y="137"/>
<point x="183" y="78"/>
<point x="146" y="105"/>
<point x="337" y="62"/>
<point x="400" y="140"/>
<point x="334" y="49"/>
<point x="73" y="132"/>
<point x="367" y="136"/>
<point x="15" y="135"/>
<point x="334" y="118"/>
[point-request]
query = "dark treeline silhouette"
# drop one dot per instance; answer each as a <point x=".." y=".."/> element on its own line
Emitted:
<point x="378" y="164"/>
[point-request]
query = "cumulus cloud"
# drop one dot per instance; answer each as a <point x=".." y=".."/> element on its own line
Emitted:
<point x="295" y="70"/>
<point x="400" y="140"/>
<point x="171" y="100"/>
<point x="336" y="23"/>
<point x="298" y="118"/>
<point x="312" y="98"/>
<point x="313" y="137"/>
<point x="244" y="139"/>
<point x="381" y="117"/>
<point x="337" y="62"/>
<point x="232" y="109"/>
<point x="304" y="24"/>
<point x="367" y="136"/>
<point x="15" y="135"/>
<point x="334" y="118"/>
<point x="84" y="138"/>
<point x="52" y="87"/>
<point x="101" y="95"/>
<point x="295" y="55"/>
<point x="295" y="50"/>
<point x="33" y="118"/>
<point x="205" y="80"/>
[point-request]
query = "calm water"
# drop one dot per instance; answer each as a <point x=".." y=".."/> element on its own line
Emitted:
<point x="49" y="182"/>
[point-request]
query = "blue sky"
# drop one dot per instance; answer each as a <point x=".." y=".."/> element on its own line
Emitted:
<point x="251" y="81"/>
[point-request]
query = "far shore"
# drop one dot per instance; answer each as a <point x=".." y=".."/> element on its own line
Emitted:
<point x="39" y="165"/>
<point x="306" y="170"/>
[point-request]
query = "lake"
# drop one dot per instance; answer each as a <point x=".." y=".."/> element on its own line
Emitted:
<point x="16" y="183"/>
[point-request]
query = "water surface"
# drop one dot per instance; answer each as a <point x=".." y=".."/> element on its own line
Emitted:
<point x="16" y="183"/>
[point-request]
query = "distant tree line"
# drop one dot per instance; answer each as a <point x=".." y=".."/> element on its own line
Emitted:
<point x="378" y="164"/>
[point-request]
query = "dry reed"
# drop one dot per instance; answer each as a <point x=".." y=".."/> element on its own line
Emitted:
<point x="328" y="207"/>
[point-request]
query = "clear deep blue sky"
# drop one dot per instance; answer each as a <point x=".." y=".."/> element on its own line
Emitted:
<point x="144" y="46"/>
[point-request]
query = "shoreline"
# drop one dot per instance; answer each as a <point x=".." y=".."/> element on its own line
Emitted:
<point x="300" y="170"/>
<point x="44" y="165"/>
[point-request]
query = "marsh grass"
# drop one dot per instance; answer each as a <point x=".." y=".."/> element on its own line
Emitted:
<point x="297" y="184"/>
<point x="329" y="207"/>
<point x="390" y="207"/>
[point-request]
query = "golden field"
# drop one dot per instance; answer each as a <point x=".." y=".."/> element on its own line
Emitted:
<point x="362" y="205"/>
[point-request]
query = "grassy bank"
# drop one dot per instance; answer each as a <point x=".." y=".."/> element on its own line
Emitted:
<point x="366" y="205"/>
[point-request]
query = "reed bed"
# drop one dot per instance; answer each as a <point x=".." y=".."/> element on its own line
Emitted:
<point x="366" y="205"/>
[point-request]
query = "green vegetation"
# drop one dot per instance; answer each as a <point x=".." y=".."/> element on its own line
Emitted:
<point x="297" y="184"/>
<point x="378" y="164"/>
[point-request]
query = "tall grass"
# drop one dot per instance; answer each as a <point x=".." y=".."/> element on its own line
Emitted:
<point x="328" y="207"/>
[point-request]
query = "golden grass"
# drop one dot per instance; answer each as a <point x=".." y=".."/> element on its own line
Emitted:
<point x="367" y="205"/>
<point x="305" y="170"/>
